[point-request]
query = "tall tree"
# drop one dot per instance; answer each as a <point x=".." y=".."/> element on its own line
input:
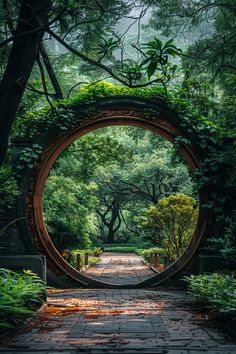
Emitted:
<point x="76" y="27"/>
<point x="32" y="21"/>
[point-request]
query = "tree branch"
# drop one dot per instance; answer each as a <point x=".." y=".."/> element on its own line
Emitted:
<point x="34" y="30"/>
<point x="99" y="64"/>
<point x="51" y="73"/>
<point x="43" y="79"/>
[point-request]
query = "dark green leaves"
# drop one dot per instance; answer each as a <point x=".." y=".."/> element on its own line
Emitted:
<point x="217" y="289"/>
<point x="132" y="71"/>
<point x="28" y="156"/>
<point x="107" y="45"/>
<point x="151" y="68"/>
<point x="157" y="55"/>
<point x="18" y="294"/>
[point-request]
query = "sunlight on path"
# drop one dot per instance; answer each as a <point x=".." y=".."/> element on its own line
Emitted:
<point x="120" y="268"/>
<point x="119" y="321"/>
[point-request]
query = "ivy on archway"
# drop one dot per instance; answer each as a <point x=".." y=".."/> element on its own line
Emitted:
<point x="207" y="136"/>
<point x="52" y="129"/>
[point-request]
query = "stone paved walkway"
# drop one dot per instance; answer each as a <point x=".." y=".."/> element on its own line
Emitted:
<point x="118" y="321"/>
<point x="120" y="268"/>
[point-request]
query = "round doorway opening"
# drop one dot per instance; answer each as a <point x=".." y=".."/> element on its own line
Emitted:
<point x="120" y="205"/>
<point x="136" y="129"/>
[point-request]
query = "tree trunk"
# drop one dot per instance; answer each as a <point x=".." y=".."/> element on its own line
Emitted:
<point x="114" y="222"/>
<point x="111" y="235"/>
<point x="33" y="14"/>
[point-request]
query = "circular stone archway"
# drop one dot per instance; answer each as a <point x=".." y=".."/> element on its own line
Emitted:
<point x="112" y="111"/>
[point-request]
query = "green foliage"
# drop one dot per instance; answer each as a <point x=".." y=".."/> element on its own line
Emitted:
<point x="209" y="27"/>
<point x="147" y="253"/>
<point x="157" y="57"/>
<point x="120" y="249"/>
<point x="19" y="294"/>
<point x="83" y="225"/>
<point x="114" y="172"/>
<point x="219" y="290"/>
<point x="63" y="116"/>
<point x="9" y="189"/>
<point x="107" y="45"/>
<point x="106" y="89"/>
<point x="69" y="211"/>
<point x="132" y="71"/>
<point x="224" y="246"/>
<point x="28" y="156"/>
<point x="72" y="192"/>
<point x="71" y="256"/>
<point x="66" y="115"/>
<point x="171" y="223"/>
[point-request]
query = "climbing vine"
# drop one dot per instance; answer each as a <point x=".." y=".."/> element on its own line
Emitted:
<point x="66" y="113"/>
<point x="205" y="134"/>
<point x="28" y="156"/>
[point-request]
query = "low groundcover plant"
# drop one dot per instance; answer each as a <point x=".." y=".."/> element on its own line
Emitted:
<point x="20" y="294"/>
<point x="218" y="290"/>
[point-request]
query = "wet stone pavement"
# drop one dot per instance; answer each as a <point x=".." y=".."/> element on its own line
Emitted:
<point x="120" y="268"/>
<point x="119" y="321"/>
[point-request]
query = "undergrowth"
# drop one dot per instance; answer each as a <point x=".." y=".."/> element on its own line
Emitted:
<point x="20" y="294"/>
<point x="217" y="290"/>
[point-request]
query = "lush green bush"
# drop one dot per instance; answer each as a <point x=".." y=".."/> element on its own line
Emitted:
<point x="171" y="223"/>
<point x="146" y="254"/>
<point x="19" y="294"/>
<point x="219" y="290"/>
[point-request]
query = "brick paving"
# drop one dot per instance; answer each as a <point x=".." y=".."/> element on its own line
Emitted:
<point x="120" y="268"/>
<point x="119" y="321"/>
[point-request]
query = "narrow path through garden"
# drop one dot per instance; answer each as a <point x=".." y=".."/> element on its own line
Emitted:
<point x="119" y="321"/>
<point x="120" y="268"/>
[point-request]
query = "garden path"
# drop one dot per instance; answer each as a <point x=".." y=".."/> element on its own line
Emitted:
<point x="120" y="268"/>
<point x="116" y="321"/>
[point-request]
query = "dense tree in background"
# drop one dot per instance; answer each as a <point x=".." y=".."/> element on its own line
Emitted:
<point x="111" y="216"/>
<point x="70" y="211"/>
<point x="70" y="198"/>
<point x="207" y="31"/>
<point x="104" y="182"/>
<point x="211" y="24"/>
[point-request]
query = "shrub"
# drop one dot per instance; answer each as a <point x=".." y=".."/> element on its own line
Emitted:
<point x="97" y="252"/>
<point x="19" y="294"/>
<point x="71" y="255"/>
<point x="219" y="290"/>
<point x="120" y="249"/>
<point x="146" y="254"/>
<point x="171" y="222"/>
